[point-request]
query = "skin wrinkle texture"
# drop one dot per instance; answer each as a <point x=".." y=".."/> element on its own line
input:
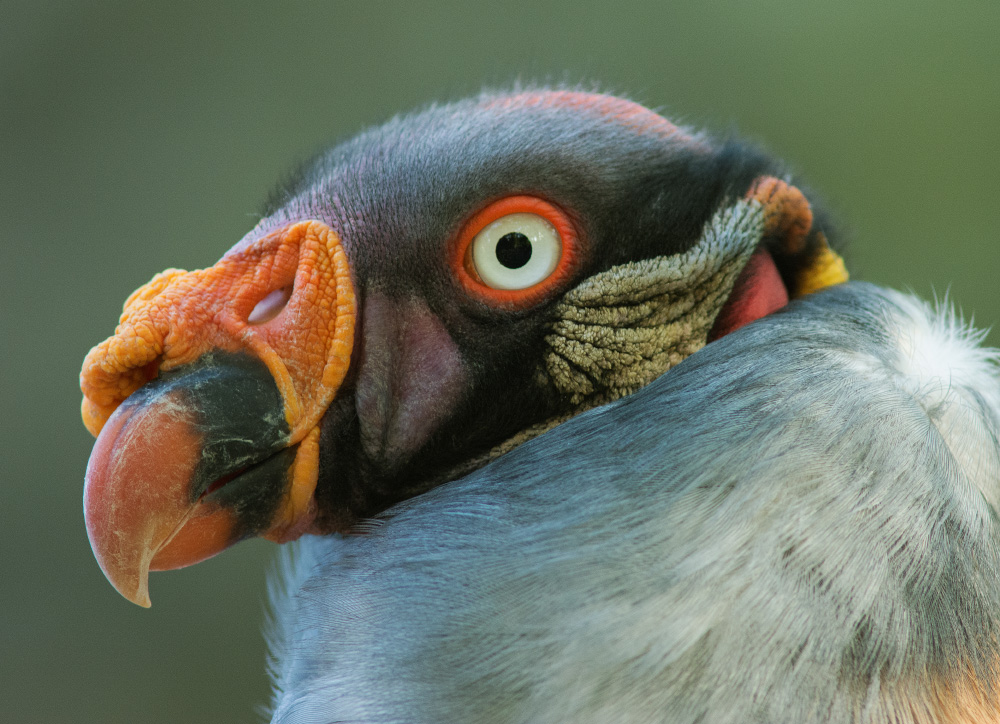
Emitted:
<point x="181" y="320"/>
<point x="580" y="355"/>
<point x="315" y="350"/>
<point x="796" y="521"/>
<point x="623" y="328"/>
<point x="620" y="329"/>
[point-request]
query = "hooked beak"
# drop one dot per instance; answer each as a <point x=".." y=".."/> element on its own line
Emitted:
<point x="223" y="442"/>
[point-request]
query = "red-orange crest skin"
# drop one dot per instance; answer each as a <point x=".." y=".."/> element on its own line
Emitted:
<point x="569" y="261"/>
<point x="618" y="110"/>
<point x="178" y="316"/>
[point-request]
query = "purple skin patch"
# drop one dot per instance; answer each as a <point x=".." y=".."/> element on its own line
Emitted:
<point x="406" y="389"/>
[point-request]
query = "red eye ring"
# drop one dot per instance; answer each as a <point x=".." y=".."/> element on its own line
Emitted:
<point x="569" y="259"/>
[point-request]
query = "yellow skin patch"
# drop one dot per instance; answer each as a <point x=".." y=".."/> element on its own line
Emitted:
<point x="827" y="270"/>
<point x="179" y="316"/>
<point x="296" y="515"/>
<point x="787" y="214"/>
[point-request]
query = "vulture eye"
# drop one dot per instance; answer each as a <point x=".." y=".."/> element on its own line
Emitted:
<point x="515" y="250"/>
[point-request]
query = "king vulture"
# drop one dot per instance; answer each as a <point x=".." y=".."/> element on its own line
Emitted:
<point x="575" y="418"/>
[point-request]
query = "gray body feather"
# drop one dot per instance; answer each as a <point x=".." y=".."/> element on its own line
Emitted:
<point x="798" y="523"/>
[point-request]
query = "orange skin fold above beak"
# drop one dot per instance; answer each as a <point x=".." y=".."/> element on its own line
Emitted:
<point x="207" y="411"/>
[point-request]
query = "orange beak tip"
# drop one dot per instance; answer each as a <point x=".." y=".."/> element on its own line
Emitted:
<point x="153" y="498"/>
<point x="140" y="513"/>
<point x="125" y="564"/>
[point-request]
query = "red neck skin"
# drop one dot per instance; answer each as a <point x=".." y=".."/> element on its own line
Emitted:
<point x="758" y="291"/>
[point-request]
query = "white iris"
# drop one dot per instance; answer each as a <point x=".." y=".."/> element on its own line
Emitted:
<point x="502" y="259"/>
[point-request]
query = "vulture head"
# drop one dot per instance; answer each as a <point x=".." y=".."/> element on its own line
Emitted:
<point x="418" y="301"/>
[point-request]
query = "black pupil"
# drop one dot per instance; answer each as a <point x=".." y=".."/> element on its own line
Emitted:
<point x="513" y="250"/>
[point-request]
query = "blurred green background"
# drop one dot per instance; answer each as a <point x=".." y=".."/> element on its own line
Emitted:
<point x="135" y="137"/>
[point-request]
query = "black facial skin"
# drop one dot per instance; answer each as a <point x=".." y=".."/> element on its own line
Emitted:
<point x="398" y="196"/>
<point x="238" y="415"/>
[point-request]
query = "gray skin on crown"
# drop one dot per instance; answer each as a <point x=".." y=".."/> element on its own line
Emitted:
<point x="784" y="527"/>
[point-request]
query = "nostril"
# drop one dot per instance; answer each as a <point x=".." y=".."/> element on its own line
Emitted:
<point x="270" y="306"/>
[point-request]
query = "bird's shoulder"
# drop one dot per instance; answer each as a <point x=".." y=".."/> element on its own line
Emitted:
<point x="798" y="573"/>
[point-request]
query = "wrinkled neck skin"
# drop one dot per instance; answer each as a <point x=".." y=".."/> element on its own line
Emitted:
<point x="630" y="552"/>
<point x="622" y="328"/>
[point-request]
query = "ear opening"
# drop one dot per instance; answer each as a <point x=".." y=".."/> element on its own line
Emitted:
<point x="800" y="250"/>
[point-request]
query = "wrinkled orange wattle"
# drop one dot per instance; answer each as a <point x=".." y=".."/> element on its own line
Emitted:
<point x="787" y="213"/>
<point x="179" y="316"/>
<point x="760" y="290"/>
